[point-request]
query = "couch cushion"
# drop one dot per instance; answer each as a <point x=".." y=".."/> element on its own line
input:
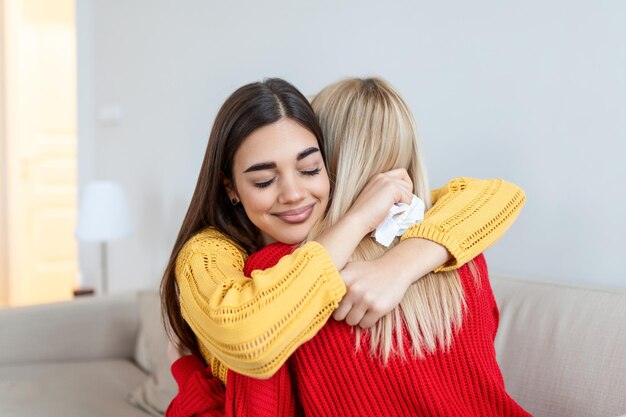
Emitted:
<point x="562" y="349"/>
<point x="157" y="390"/>
<point x="94" y="327"/>
<point x="98" y="388"/>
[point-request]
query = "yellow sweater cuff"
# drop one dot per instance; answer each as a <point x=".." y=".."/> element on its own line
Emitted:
<point x="471" y="216"/>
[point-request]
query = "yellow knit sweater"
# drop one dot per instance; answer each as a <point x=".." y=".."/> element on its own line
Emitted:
<point x="253" y="325"/>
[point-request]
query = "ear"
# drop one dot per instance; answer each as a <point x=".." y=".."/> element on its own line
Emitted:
<point x="230" y="190"/>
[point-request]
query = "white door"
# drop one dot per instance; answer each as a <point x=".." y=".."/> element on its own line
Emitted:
<point x="40" y="117"/>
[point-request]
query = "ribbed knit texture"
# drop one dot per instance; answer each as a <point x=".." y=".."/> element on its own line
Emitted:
<point x="275" y="396"/>
<point x="203" y="395"/>
<point x="333" y="379"/>
<point x="200" y="394"/>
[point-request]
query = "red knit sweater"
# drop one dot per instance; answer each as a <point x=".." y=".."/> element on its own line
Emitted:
<point x="199" y="392"/>
<point x="329" y="378"/>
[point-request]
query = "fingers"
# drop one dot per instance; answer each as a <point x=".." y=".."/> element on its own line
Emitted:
<point x="399" y="178"/>
<point x="402" y="175"/>
<point x="378" y="196"/>
<point x="345" y="305"/>
<point x="399" y="173"/>
<point x="405" y="185"/>
<point x="405" y="196"/>
<point x="341" y="312"/>
<point x="402" y="192"/>
<point x="362" y="305"/>
<point x="356" y="314"/>
<point x="370" y="293"/>
<point x="369" y="319"/>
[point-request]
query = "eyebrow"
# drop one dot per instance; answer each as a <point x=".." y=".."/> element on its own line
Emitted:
<point x="306" y="153"/>
<point x="272" y="165"/>
<point x="260" y="167"/>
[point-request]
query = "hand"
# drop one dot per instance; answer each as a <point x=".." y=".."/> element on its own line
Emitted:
<point x="371" y="293"/>
<point x="367" y="212"/>
<point x="381" y="192"/>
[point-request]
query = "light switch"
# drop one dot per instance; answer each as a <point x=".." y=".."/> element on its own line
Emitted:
<point x="111" y="115"/>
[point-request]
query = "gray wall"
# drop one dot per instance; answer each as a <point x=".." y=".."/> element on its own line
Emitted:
<point x="533" y="92"/>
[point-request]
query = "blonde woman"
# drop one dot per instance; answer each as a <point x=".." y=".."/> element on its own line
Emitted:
<point x="389" y="339"/>
<point x="431" y="355"/>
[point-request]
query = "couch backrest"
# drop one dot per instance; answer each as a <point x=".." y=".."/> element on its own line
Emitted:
<point x="83" y="329"/>
<point x="562" y="349"/>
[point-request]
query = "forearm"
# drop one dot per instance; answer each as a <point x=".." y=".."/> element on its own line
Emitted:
<point x="469" y="216"/>
<point x="414" y="258"/>
<point x="341" y="240"/>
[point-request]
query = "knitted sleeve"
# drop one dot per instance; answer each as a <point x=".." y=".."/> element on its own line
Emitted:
<point x="469" y="215"/>
<point x="200" y="394"/>
<point x="253" y="325"/>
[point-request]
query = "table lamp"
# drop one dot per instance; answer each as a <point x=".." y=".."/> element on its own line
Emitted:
<point x="103" y="216"/>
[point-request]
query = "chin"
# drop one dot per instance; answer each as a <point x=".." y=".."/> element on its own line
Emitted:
<point x="293" y="238"/>
<point x="288" y="240"/>
<point x="288" y="234"/>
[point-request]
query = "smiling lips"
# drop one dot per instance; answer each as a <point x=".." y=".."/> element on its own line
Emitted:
<point x="296" y="216"/>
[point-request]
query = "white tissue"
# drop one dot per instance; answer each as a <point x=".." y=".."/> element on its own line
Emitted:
<point x="401" y="216"/>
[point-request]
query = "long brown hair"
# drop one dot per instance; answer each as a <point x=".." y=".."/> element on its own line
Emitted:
<point x="250" y="107"/>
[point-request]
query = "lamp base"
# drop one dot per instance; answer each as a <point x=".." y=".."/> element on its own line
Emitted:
<point x="82" y="292"/>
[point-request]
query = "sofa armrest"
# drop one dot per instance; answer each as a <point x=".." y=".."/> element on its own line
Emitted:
<point x="561" y="347"/>
<point x="82" y="329"/>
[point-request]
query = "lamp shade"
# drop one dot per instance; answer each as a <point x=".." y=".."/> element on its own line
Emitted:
<point x="103" y="213"/>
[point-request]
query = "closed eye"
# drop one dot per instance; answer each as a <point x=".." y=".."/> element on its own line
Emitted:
<point x="264" y="183"/>
<point x="311" y="172"/>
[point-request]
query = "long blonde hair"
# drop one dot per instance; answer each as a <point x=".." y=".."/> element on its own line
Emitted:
<point x="369" y="129"/>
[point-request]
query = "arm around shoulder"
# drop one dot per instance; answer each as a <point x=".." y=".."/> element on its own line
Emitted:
<point x="253" y="325"/>
<point x="468" y="216"/>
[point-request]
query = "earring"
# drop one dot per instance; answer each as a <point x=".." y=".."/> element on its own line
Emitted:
<point x="234" y="201"/>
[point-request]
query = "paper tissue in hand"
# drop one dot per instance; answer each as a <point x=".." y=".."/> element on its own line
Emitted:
<point x="401" y="216"/>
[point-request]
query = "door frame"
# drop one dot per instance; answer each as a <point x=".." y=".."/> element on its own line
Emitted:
<point x="4" y="259"/>
<point x="15" y="254"/>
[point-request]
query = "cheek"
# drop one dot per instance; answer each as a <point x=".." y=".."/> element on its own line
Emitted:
<point x="255" y="201"/>
<point x="321" y="191"/>
<point x="324" y="187"/>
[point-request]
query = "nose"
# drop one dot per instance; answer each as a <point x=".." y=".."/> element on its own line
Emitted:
<point x="291" y="190"/>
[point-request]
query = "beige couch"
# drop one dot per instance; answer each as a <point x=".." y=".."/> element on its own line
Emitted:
<point x="562" y="350"/>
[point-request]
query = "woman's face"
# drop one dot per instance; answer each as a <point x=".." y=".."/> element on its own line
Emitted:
<point x="280" y="178"/>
